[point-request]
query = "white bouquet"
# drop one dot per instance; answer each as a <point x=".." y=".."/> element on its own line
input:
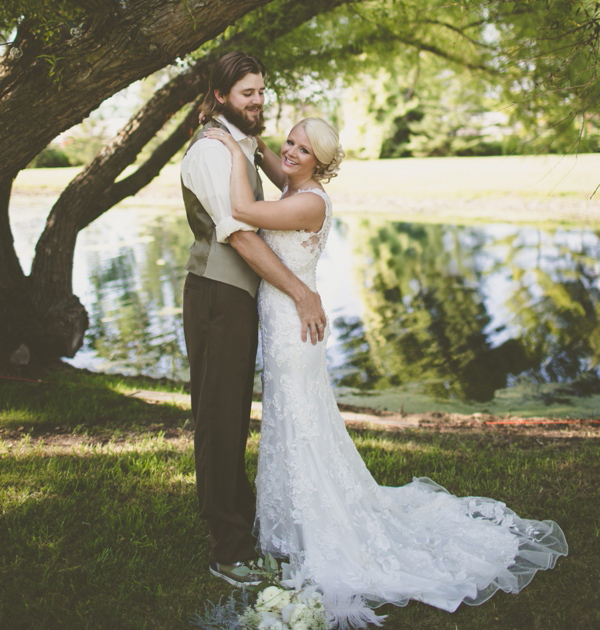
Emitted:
<point x="281" y="609"/>
<point x="284" y="601"/>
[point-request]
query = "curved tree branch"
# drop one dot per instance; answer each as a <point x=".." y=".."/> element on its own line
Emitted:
<point x="89" y="194"/>
<point x="147" y="171"/>
<point x="52" y="87"/>
<point x="9" y="263"/>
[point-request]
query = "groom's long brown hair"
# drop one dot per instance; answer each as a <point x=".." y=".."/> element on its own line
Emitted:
<point x="226" y="72"/>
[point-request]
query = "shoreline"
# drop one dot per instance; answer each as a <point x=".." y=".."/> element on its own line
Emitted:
<point x="158" y="392"/>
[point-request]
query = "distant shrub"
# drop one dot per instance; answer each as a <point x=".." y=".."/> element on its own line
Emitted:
<point x="274" y="143"/>
<point x="50" y="157"/>
<point x="482" y="149"/>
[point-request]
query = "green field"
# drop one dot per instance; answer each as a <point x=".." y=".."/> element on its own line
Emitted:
<point x="567" y="181"/>
<point x="98" y="510"/>
<point x="540" y="176"/>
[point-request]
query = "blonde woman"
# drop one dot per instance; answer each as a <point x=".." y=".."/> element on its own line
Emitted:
<point x="317" y="504"/>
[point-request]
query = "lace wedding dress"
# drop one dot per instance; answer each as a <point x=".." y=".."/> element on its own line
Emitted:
<point x="318" y="505"/>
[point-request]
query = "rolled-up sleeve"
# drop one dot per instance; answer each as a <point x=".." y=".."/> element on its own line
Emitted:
<point x="206" y="171"/>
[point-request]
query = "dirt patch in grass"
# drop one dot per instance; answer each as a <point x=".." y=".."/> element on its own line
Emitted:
<point x="358" y="418"/>
<point x="176" y="427"/>
<point x="556" y="428"/>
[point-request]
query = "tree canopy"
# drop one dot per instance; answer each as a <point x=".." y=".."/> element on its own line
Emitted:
<point x="61" y="59"/>
<point x="537" y="60"/>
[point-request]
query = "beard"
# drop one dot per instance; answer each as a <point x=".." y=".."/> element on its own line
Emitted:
<point x="239" y="118"/>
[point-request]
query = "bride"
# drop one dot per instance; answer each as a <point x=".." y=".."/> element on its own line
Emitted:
<point x="317" y="503"/>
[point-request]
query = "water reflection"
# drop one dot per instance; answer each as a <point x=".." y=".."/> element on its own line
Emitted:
<point x="462" y="311"/>
<point x="466" y="311"/>
<point x="136" y="302"/>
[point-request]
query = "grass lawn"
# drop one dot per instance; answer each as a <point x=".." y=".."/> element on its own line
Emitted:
<point x="540" y="188"/>
<point x="539" y="175"/>
<point x="98" y="509"/>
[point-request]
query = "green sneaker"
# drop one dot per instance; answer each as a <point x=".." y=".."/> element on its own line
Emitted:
<point x="248" y="576"/>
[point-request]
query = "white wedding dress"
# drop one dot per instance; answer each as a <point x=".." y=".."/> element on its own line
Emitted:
<point x="318" y="505"/>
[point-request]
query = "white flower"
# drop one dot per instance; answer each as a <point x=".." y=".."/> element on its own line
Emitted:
<point x="270" y="622"/>
<point x="273" y="598"/>
<point x="299" y="614"/>
<point x="278" y="608"/>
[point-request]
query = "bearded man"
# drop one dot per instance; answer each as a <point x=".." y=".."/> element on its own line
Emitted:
<point x="227" y="260"/>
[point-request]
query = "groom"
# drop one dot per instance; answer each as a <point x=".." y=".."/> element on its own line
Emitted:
<point x="227" y="261"/>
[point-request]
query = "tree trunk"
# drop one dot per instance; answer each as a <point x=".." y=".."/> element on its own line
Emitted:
<point x="52" y="321"/>
<point x="53" y="327"/>
<point x="10" y="268"/>
<point x="12" y="282"/>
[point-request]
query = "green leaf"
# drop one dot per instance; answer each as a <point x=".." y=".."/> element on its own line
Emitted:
<point x="257" y="588"/>
<point x="271" y="563"/>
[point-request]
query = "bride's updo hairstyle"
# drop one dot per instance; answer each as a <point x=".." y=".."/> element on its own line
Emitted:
<point x="325" y="142"/>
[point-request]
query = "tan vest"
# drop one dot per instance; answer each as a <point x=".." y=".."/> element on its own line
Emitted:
<point x="208" y="257"/>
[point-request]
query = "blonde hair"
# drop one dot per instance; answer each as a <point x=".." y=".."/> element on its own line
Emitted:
<point x="325" y="142"/>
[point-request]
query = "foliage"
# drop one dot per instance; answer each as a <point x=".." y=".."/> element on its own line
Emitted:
<point x="540" y="56"/>
<point x="49" y="19"/>
<point x="84" y="142"/>
<point x="223" y="616"/>
<point x="547" y="53"/>
<point x="51" y="157"/>
<point x="538" y="59"/>
<point x="435" y="110"/>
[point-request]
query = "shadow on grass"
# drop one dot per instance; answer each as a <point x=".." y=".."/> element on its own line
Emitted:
<point x="69" y="400"/>
<point x="102" y="537"/>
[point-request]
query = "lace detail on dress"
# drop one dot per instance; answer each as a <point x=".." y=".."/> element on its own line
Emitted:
<point x="318" y="505"/>
<point x="300" y="250"/>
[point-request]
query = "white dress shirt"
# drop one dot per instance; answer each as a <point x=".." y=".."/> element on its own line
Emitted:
<point x="206" y="171"/>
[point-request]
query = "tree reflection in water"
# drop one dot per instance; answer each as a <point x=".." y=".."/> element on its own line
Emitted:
<point x="428" y="290"/>
<point x="135" y="319"/>
<point x="462" y="311"/>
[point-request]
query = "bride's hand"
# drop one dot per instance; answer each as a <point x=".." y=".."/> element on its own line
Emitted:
<point x="226" y="138"/>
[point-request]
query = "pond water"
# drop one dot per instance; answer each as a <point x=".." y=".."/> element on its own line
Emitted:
<point x="438" y="314"/>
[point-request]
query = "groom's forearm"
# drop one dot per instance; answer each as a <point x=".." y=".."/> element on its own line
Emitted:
<point x="268" y="266"/>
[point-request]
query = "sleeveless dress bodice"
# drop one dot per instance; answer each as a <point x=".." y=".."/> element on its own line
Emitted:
<point x="298" y="249"/>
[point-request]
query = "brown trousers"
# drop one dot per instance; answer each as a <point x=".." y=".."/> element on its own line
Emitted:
<point x="220" y="323"/>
